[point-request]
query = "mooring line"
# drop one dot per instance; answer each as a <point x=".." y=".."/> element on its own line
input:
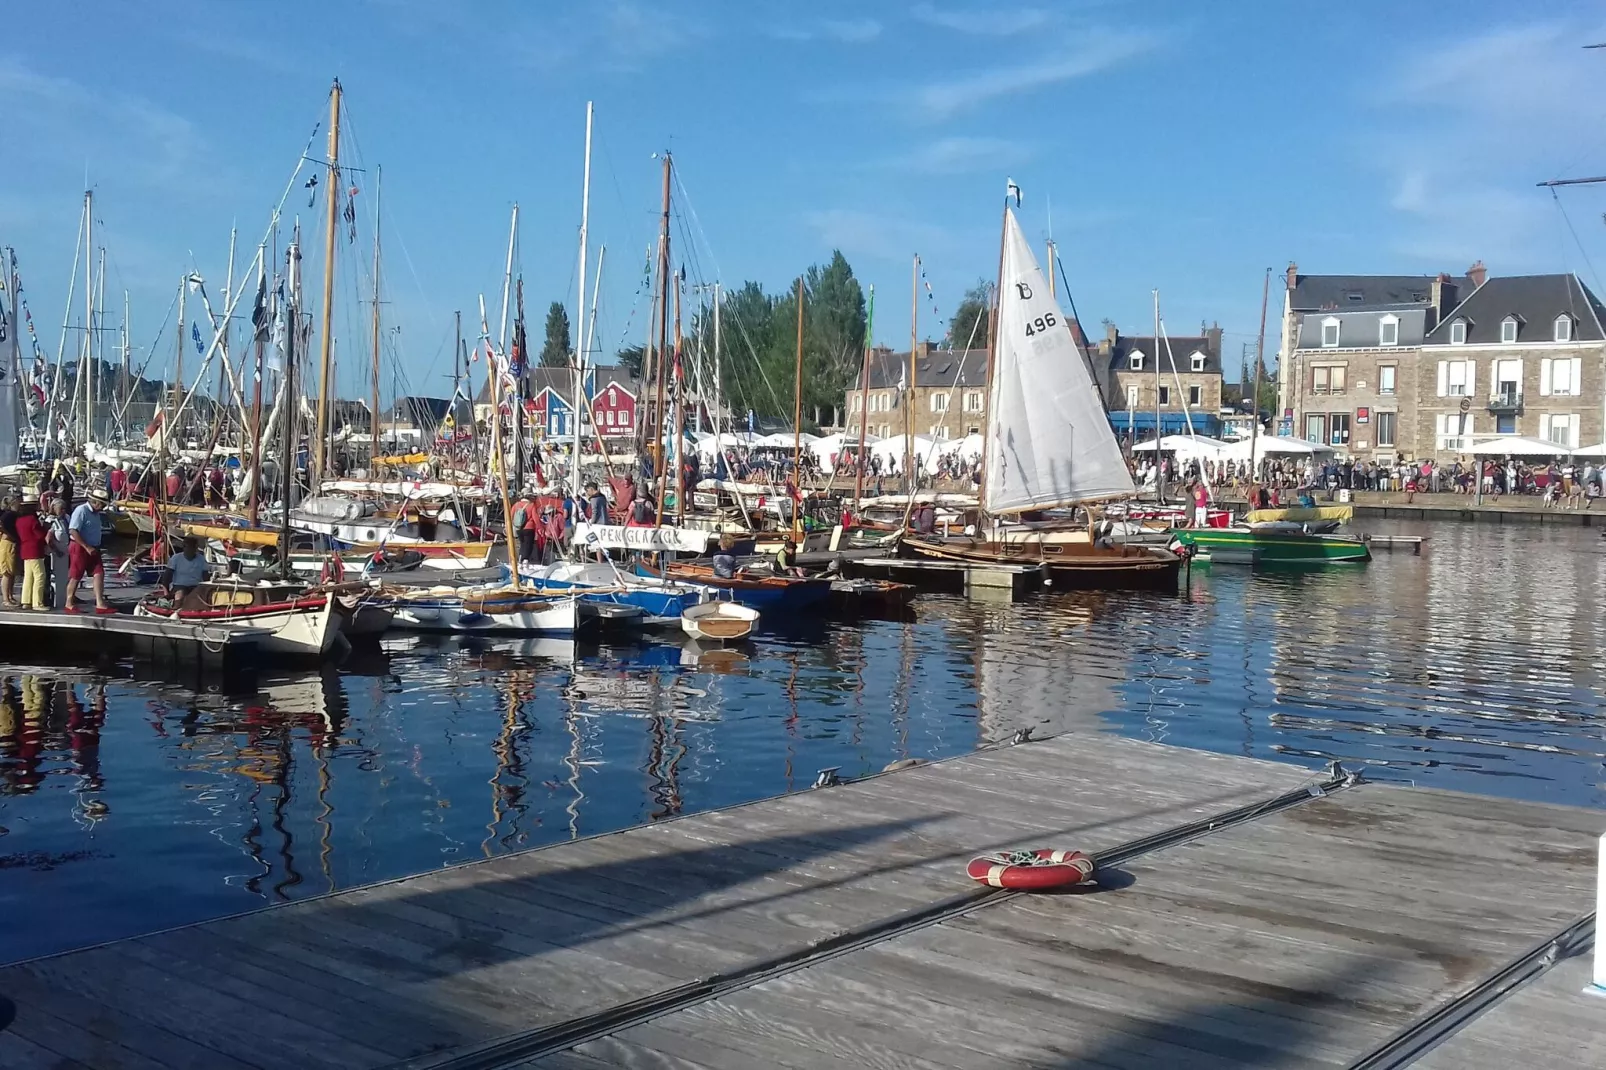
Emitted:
<point x="546" y="1040"/>
<point x="1431" y="1030"/>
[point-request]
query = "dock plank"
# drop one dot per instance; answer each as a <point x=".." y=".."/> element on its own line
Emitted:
<point x="461" y="956"/>
<point x="1551" y="1022"/>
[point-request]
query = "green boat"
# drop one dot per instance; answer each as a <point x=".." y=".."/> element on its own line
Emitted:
<point x="1251" y="546"/>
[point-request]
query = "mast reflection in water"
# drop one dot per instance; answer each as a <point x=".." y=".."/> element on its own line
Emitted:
<point x="128" y="806"/>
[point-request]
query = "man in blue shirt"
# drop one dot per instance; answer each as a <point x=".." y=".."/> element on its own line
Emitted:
<point x="83" y="555"/>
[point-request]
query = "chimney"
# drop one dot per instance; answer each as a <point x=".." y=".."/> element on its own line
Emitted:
<point x="1111" y="335"/>
<point x="926" y="346"/>
<point x="1293" y="274"/>
<point x="1212" y="337"/>
<point x="1444" y="297"/>
<point x="1477" y="273"/>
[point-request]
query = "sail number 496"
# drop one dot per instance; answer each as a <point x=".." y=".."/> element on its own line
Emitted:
<point x="1041" y="323"/>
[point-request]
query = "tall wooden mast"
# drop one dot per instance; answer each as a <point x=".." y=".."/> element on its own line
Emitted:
<point x="373" y="436"/>
<point x="657" y="422"/>
<point x="909" y="392"/>
<point x="797" y="421"/>
<point x="1260" y="361"/>
<point x="331" y="196"/>
<point x="864" y="403"/>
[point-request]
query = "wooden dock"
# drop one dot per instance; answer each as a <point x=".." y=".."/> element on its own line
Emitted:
<point x="214" y="648"/>
<point x="1247" y="913"/>
<point x="986" y="581"/>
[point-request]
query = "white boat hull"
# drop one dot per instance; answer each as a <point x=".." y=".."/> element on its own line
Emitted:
<point x="719" y="622"/>
<point x="443" y="610"/>
<point x="300" y="632"/>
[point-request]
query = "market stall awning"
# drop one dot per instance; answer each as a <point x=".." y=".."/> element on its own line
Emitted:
<point x="1519" y="446"/>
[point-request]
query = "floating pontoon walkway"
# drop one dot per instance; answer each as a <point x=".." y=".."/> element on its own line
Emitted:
<point x="1248" y="913"/>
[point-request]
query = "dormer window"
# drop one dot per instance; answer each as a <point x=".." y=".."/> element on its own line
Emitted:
<point x="1388" y="331"/>
<point x="1330" y="332"/>
<point x="1508" y="330"/>
<point x="1135" y="360"/>
<point x="1198" y="362"/>
<point x="1458" y="332"/>
<point x="1562" y="331"/>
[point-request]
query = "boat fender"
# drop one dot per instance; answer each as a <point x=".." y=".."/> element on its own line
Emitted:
<point x="1031" y="871"/>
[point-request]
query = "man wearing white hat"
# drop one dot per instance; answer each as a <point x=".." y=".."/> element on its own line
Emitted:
<point x="83" y="556"/>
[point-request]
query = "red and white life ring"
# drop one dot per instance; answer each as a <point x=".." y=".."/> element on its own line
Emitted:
<point x="1031" y="871"/>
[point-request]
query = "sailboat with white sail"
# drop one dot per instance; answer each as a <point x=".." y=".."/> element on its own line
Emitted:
<point x="1048" y="443"/>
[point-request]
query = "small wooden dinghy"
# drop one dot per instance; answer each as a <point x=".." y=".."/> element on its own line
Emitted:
<point x="719" y="622"/>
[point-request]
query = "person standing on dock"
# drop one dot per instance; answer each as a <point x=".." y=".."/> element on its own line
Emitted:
<point x="1201" y="504"/>
<point x="10" y="563"/>
<point x="83" y="555"/>
<point x="31" y="549"/>
<point x="57" y="540"/>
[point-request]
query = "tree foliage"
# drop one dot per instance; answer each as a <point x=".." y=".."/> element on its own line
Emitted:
<point x="968" y="327"/>
<point x="555" y="352"/>
<point x="630" y="358"/>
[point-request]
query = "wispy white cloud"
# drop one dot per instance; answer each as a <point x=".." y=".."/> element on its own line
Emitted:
<point x="1463" y="132"/>
<point x="613" y="36"/>
<point x="1075" y="55"/>
<point x="860" y="233"/>
<point x="1000" y="21"/>
<point x="846" y="31"/>
<point x="962" y="155"/>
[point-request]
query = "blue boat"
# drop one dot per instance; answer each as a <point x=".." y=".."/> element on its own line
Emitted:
<point x="661" y="603"/>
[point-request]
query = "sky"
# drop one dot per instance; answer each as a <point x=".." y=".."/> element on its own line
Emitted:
<point x="1165" y="145"/>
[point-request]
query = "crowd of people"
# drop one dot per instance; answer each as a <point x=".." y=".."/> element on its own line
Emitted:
<point x="51" y="547"/>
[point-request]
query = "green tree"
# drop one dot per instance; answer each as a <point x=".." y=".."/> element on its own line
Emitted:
<point x="631" y="359"/>
<point x="833" y="335"/>
<point x="555" y="353"/>
<point x="968" y="328"/>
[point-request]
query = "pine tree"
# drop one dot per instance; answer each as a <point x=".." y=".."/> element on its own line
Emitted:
<point x="555" y="353"/>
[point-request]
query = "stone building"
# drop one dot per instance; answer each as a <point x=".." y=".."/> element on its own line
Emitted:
<point x="1524" y="355"/>
<point x="1188" y="384"/>
<point x="949" y="399"/>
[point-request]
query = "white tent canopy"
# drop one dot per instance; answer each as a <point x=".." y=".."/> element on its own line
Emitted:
<point x="1272" y="446"/>
<point x="1519" y="446"/>
<point x="1598" y="450"/>
<point x="1186" y="447"/>
<point x="926" y="451"/>
<point x="709" y="443"/>
<point x="827" y="448"/>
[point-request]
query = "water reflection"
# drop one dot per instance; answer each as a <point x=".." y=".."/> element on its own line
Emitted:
<point x="127" y="805"/>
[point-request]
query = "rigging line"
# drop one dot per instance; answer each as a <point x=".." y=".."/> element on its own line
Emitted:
<point x="1576" y="240"/>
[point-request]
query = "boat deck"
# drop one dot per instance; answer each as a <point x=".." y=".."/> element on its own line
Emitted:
<point x="1239" y="919"/>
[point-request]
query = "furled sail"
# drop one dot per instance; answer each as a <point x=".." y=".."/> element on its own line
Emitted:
<point x="1049" y="442"/>
<point x="10" y="402"/>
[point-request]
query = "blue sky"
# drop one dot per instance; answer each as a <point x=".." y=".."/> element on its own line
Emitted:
<point x="1181" y="146"/>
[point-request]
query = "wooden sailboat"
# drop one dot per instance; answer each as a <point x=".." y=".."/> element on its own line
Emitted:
<point x="1048" y="443"/>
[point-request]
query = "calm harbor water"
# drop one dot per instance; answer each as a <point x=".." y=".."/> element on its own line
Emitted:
<point x="129" y="805"/>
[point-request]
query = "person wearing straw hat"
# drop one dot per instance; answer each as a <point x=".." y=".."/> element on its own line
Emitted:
<point x="31" y="548"/>
<point x="83" y="556"/>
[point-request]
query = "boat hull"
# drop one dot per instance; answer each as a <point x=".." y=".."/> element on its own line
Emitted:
<point x="719" y="622"/>
<point x="476" y="611"/>
<point x="306" y="628"/>
<point x="1073" y="565"/>
<point x="1239" y="546"/>
<point x="768" y="594"/>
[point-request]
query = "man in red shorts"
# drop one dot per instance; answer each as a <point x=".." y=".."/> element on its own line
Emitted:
<point x="83" y="554"/>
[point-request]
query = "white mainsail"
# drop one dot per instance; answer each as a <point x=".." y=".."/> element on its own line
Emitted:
<point x="1049" y="442"/>
<point x="10" y="400"/>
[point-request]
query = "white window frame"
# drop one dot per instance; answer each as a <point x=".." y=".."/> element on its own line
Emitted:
<point x="1393" y="373"/>
<point x="856" y="403"/>
<point x="1449" y="434"/>
<point x="1495" y="377"/>
<point x="1198" y="362"/>
<point x="1326" y="386"/>
<point x="1133" y="393"/>
<point x="1508" y="331"/>
<point x="939" y="431"/>
<point x="1458" y="332"/>
<point x="1393" y="426"/>
<point x="1165" y="396"/>
<point x="1134" y="360"/>
<point x="1548" y="424"/>
<point x="1571" y="369"/>
<point x="939" y="401"/>
<point x="1448" y="388"/>
<point x="1388" y="331"/>
<point x="974" y="402"/>
<point x="1195" y="396"/>
<point x="1561" y="330"/>
<point x="1330" y="321"/>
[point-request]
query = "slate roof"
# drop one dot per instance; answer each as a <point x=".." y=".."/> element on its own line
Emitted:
<point x="562" y="380"/>
<point x="939" y="368"/>
<point x="1362" y="329"/>
<point x="1182" y="349"/>
<point x="1536" y="300"/>
<point x="1324" y="292"/>
<point x="424" y="412"/>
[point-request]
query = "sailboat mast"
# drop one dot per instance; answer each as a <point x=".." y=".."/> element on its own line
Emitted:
<point x="292" y="405"/>
<point x="992" y="359"/>
<point x="580" y="405"/>
<point x="84" y="369"/>
<point x="1159" y="467"/>
<point x="122" y="377"/>
<point x="797" y="420"/>
<point x="657" y="424"/>
<point x="909" y="392"/>
<point x="719" y="405"/>
<point x="373" y="437"/>
<point x="1260" y="361"/>
<point x="1053" y="275"/>
<point x="325" y="342"/>
<point x="499" y="463"/>
<point x="864" y="403"/>
<point x="680" y="416"/>
<point x="100" y="342"/>
<point x="259" y="331"/>
<point x="507" y="292"/>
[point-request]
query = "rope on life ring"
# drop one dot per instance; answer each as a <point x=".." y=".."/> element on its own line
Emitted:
<point x="1031" y="871"/>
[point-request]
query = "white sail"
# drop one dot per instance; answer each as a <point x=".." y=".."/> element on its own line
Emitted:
<point x="1049" y="442"/>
